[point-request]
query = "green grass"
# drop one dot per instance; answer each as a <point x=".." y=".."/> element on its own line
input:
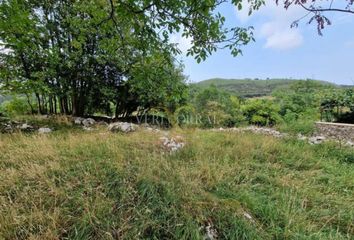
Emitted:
<point x="98" y="185"/>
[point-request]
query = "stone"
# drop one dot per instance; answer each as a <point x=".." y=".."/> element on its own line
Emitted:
<point x="336" y="131"/>
<point x="26" y="127"/>
<point x="301" y="137"/>
<point x="124" y="127"/>
<point x="210" y="232"/>
<point x="102" y="123"/>
<point x="317" y="139"/>
<point x="44" y="130"/>
<point x="78" y="120"/>
<point x="6" y="128"/>
<point x="87" y="128"/>
<point x="88" y="122"/>
<point x="173" y="144"/>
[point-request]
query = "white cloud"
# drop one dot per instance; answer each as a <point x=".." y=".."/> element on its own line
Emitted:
<point x="272" y="23"/>
<point x="280" y="37"/>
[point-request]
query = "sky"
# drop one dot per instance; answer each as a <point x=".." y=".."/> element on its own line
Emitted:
<point x="280" y="51"/>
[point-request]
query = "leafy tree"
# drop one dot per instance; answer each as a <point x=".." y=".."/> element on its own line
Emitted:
<point x="261" y="112"/>
<point x="338" y="105"/>
<point x="217" y="107"/>
<point x="77" y="57"/>
<point x="158" y="84"/>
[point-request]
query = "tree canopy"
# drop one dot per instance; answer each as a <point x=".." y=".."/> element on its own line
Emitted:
<point x="77" y="56"/>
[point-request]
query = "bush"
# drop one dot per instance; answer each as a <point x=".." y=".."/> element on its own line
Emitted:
<point x="186" y="116"/>
<point x="215" y="116"/>
<point x="261" y="112"/>
<point x="15" y="106"/>
<point x="303" y="123"/>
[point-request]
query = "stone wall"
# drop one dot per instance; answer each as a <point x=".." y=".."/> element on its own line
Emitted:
<point x="338" y="131"/>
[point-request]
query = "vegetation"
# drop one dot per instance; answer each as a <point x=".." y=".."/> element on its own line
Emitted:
<point x="122" y="186"/>
<point x="246" y="88"/>
<point x="76" y="58"/>
<point x="65" y="58"/>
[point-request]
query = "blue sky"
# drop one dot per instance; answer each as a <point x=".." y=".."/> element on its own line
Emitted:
<point x="279" y="51"/>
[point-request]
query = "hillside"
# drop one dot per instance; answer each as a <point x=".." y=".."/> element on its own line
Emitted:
<point x="249" y="87"/>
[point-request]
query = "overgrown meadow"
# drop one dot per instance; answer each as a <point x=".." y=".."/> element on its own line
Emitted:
<point x="99" y="185"/>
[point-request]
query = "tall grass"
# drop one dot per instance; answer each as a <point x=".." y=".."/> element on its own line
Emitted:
<point x="99" y="185"/>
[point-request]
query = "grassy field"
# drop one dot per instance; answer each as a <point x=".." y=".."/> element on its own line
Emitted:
<point x="98" y="185"/>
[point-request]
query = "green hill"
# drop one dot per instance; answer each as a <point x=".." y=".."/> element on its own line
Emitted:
<point x="251" y="88"/>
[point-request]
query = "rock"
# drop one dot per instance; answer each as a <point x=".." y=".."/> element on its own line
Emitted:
<point x="88" y="122"/>
<point x="78" y="120"/>
<point x="210" y="232"/>
<point x="26" y="128"/>
<point x="150" y="129"/>
<point x="102" y="123"/>
<point x="265" y="131"/>
<point x="87" y="128"/>
<point x="44" y="130"/>
<point x="248" y="216"/>
<point x="301" y="137"/>
<point x="6" y="128"/>
<point x="172" y="144"/>
<point x="317" y="139"/>
<point x="124" y="127"/>
<point x="349" y="144"/>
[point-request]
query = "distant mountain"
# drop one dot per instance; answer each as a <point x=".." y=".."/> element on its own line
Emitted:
<point x="252" y="87"/>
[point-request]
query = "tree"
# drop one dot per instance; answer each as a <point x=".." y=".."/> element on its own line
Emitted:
<point x="261" y="112"/>
<point x="318" y="8"/>
<point x="80" y="56"/>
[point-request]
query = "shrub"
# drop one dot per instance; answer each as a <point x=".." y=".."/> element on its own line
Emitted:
<point x="215" y="116"/>
<point x="303" y="123"/>
<point x="186" y="116"/>
<point x="261" y="112"/>
<point x="15" y="106"/>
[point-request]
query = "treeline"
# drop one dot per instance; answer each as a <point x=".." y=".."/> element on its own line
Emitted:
<point x="292" y="109"/>
<point x="115" y="57"/>
<point x="70" y="58"/>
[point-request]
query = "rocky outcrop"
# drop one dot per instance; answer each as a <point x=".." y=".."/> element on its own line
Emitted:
<point x="84" y="121"/>
<point x="172" y="144"/>
<point x="25" y="128"/>
<point x="6" y="128"/>
<point x="254" y="129"/>
<point x="123" y="127"/>
<point x="88" y="122"/>
<point x="44" y="130"/>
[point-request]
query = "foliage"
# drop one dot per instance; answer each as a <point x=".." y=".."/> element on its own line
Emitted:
<point x="76" y="56"/>
<point x="15" y="106"/>
<point x="186" y="116"/>
<point x="261" y="112"/>
<point x="156" y="83"/>
<point x="214" y="108"/>
<point x="338" y="105"/>
<point x="247" y="88"/>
